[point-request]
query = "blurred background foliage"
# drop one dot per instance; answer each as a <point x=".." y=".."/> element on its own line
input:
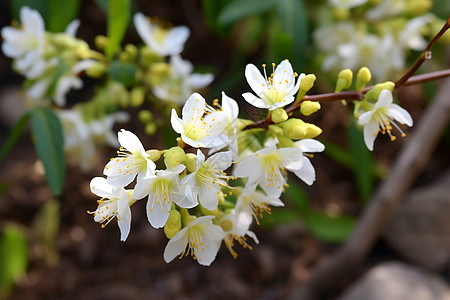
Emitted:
<point x="257" y="31"/>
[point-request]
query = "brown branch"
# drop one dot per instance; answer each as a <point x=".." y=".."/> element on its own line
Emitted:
<point x="411" y="161"/>
<point x="358" y="95"/>
<point x="426" y="54"/>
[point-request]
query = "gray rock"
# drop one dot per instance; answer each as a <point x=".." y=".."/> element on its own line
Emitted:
<point x="398" y="281"/>
<point x="420" y="230"/>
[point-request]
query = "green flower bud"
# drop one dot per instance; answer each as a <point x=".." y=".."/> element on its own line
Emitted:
<point x="309" y="107"/>
<point x="97" y="70"/>
<point x="294" y="129"/>
<point x="341" y="13"/>
<point x="279" y="115"/>
<point x="418" y="7"/>
<point x="374" y="93"/>
<point x="226" y="225"/>
<point x="307" y="82"/>
<point x="312" y="131"/>
<point x="155" y="154"/>
<point x="148" y="57"/>
<point x="145" y="116"/>
<point x="150" y="128"/>
<point x="363" y="77"/>
<point x="174" y="156"/>
<point x="191" y="162"/>
<point x="344" y="81"/>
<point x="100" y="42"/>
<point x="137" y="96"/>
<point x="132" y="51"/>
<point x="173" y="224"/>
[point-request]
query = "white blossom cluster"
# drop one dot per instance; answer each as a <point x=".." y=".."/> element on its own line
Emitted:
<point x="189" y="196"/>
<point x="378" y="36"/>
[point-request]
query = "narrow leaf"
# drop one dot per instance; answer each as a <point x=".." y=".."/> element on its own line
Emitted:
<point x="14" y="136"/>
<point x="118" y="17"/>
<point x="48" y="142"/>
<point x="13" y="257"/>
<point x="327" y="228"/>
<point x="239" y="9"/>
<point x="297" y="196"/>
<point x="61" y="13"/>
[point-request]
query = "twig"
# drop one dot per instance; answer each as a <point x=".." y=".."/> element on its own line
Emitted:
<point x="426" y="54"/>
<point x="384" y="202"/>
<point x="358" y="95"/>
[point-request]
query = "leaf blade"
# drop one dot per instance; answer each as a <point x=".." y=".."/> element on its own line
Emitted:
<point x="118" y="18"/>
<point x="48" y="142"/>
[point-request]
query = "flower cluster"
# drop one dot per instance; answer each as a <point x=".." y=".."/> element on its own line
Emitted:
<point x="376" y="34"/>
<point x="220" y="178"/>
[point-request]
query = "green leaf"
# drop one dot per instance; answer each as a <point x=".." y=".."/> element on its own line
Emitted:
<point x="339" y="155"/>
<point x="13" y="257"/>
<point x="363" y="162"/>
<point x="118" y="17"/>
<point x="293" y="30"/>
<point x="56" y="14"/>
<point x="211" y="10"/>
<point x="123" y="72"/>
<point x="46" y="226"/>
<point x="327" y="228"/>
<point x="279" y="216"/>
<point x="61" y="13"/>
<point x="14" y="136"/>
<point x="297" y="196"/>
<point x="39" y="5"/>
<point x="239" y="9"/>
<point x="48" y="142"/>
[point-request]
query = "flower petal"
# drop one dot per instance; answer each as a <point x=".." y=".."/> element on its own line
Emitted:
<point x="155" y="215"/>
<point x="130" y="141"/>
<point x="124" y="216"/>
<point x="370" y="133"/>
<point x="194" y="108"/>
<point x="100" y="187"/>
<point x="176" y="245"/>
<point x="255" y="79"/>
<point x="400" y="114"/>
<point x="307" y="173"/>
<point x="255" y="101"/>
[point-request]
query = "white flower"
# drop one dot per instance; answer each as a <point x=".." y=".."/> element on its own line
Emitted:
<point x="236" y="227"/>
<point x="26" y="45"/>
<point x="162" y="190"/>
<point x="196" y="130"/>
<point x="70" y="80"/>
<point x="118" y="205"/>
<point x="266" y="167"/>
<point x="132" y="161"/>
<point x="382" y="117"/>
<point x="307" y="172"/>
<point x="273" y="92"/>
<point x="162" y="41"/>
<point x="347" y="3"/>
<point x="202" y="239"/>
<point x="252" y="203"/>
<point x="206" y="181"/>
<point x="181" y="82"/>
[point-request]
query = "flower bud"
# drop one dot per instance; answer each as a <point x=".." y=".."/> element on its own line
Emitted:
<point x="191" y="162"/>
<point x="150" y="128"/>
<point x="226" y="225"/>
<point x="374" y="93"/>
<point x="363" y="77"/>
<point x="132" y="51"/>
<point x="174" y="156"/>
<point x="344" y="81"/>
<point x="173" y="224"/>
<point x="155" y="154"/>
<point x="148" y="57"/>
<point x="312" y="131"/>
<point x="101" y="41"/>
<point x="294" y="129"/>
<point x="279" y="115"/>
<point x="341" y="13"/>
<point x="309" y="107"/>
<point x="145" y="116"/>
<point x="137" y="96"/>
<point x="97" y="70"/>
<point x="307" y="82"/>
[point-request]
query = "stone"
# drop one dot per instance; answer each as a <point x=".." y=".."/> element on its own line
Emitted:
<point x="420" y="230"/>
<point x="395" y="280"/>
